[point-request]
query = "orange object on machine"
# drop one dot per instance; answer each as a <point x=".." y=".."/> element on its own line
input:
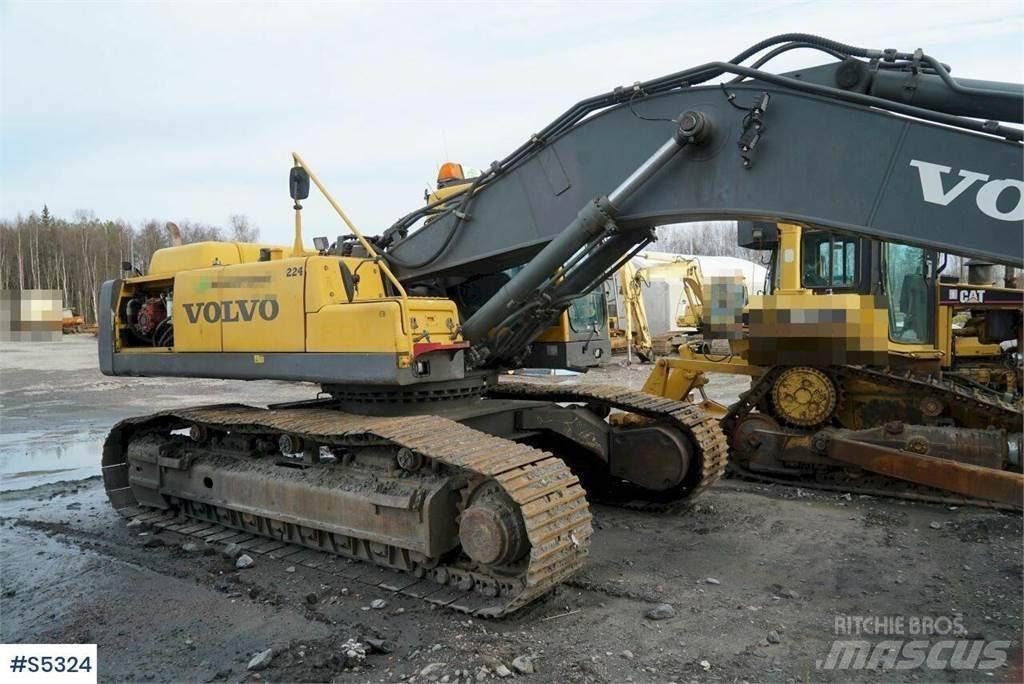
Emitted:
<point x="450" y="172"/>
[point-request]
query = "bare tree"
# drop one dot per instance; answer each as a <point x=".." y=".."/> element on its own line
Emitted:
<point x="241" y="231"/>
<point x="705" y="238"/>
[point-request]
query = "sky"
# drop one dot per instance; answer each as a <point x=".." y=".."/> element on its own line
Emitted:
<point x="190" y="111"/>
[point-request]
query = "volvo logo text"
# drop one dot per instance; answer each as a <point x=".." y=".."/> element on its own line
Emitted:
<point x="933" y="187"/>
<point x="232" y="311"/>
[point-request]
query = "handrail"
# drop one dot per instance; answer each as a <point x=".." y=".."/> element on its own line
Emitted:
<point x="382" y="263"/>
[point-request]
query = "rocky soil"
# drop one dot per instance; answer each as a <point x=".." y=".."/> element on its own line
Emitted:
<point x="745" y="585"/>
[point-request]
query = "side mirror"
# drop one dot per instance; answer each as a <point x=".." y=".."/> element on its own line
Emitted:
<point x="298" y="183"/>
<point x="126" y="266"/>
<point x="348" y="281"/>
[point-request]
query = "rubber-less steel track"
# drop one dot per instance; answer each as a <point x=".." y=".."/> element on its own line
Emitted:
<point x="1005" y="414"/>
<point x="551" y="501"/>
<point x="711" y="449"/>
<point x="999" y="411"/>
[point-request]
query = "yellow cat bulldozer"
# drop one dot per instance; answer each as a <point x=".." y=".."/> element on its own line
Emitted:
<point x="866" y="359"/>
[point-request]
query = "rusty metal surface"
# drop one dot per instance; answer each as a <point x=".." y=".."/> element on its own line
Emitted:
<point x="986" y="448"/>
<point x="710" y="455"/>
<point x="985" y="407"/>
<point x="963" y="478"/>
<point x="553" y="506"/>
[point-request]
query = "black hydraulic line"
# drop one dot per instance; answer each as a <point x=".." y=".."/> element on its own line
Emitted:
<point x="786" y="48"/>
<point x="999" y="101"/>
<point x="417" y="214"/>
<point x="460" y="215"/>
<point x="1008" y="132"/>
<point x="810" y="38"/>
<point x="948" y="79"/>
<point x="703" y="73"/>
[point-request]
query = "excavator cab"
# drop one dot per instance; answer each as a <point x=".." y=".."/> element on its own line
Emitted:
<point x="580" y="338"/>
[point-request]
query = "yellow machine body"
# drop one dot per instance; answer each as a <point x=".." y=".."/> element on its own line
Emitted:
<point x="800" y="326"/>
<point x="224" y="300"/>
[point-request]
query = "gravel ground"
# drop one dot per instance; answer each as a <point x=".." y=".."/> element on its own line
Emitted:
<point x="757" y="576"/>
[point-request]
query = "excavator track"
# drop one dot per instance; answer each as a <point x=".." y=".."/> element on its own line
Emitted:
<point x="711" y="449"/>
<point x="553" y="507"/>
<point x="1000" y="412"/>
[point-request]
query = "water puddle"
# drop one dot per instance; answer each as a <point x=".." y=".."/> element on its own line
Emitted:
<point x="29" y="459"/>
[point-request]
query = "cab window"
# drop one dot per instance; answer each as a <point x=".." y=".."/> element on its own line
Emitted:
<point x="911" y="310"/>
<point x="829" y="261"/>
<point x="589" y="313"/>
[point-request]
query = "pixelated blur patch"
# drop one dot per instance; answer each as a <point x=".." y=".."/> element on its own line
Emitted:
<point x="797" y="330"/>
<point x="31" y="315"/>
<point x="725" y="295"/>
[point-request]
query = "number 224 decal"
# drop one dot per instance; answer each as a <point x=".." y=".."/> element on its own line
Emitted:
<point x="293" y="271"/>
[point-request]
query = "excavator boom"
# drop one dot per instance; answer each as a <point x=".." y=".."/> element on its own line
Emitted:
<point x="820" y="159"/>
<point x="584" y="193"/>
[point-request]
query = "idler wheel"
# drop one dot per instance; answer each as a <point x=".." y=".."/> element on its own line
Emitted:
<point x="491" y="530"/>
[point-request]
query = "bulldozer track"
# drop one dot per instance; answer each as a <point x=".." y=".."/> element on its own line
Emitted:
<point x="711" y="447"/>
<point x="998" y="409"/>
<point x="553" y="505"/>
<point x="1001" y="412"/>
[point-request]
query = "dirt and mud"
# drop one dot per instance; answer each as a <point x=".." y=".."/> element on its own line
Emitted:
<point x="757" y="576"/>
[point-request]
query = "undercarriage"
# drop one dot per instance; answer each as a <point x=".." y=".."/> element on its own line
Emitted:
<point x="854" y="428"/>
<point x="472" y="504"/>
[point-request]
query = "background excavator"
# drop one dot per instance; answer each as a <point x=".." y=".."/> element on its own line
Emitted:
<point x="628" y="325"/>
<point x="869" y="359"/>
<point x="415" y="458"/>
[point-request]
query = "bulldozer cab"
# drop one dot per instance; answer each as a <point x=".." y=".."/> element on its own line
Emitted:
<point x="829" y="284"/>
<point x="830" y="261"/>
<point x="836" y="263"/>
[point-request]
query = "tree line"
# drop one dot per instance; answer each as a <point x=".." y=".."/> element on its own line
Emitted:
<point x="74" y="256"/>
<point x="704" y="238"/>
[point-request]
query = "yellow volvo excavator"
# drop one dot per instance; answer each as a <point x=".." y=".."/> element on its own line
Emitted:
<point x="472" y="493"/>
<point x="864" y="357"/>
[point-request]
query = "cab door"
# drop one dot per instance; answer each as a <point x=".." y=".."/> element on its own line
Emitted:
<point x="910" y="286"/>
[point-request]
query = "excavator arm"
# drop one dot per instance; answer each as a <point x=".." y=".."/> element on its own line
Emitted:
<point x="836" y="146"/>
